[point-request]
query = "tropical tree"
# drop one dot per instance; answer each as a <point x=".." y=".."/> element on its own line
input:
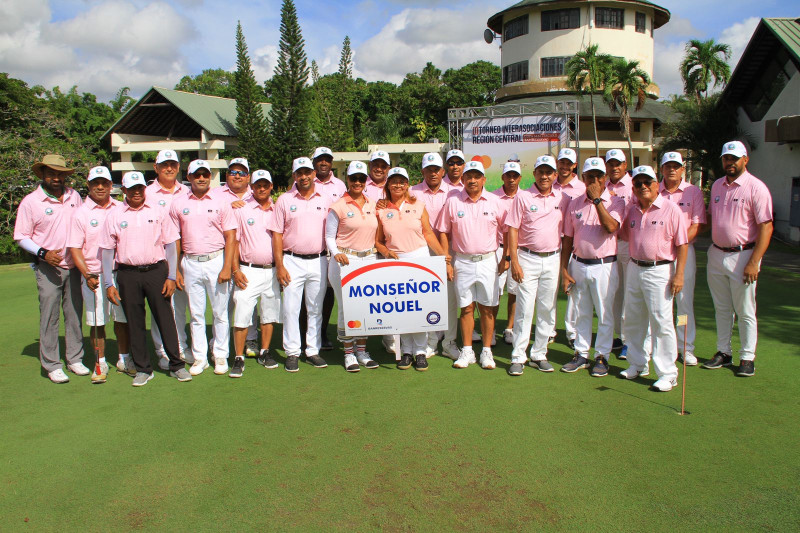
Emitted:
<point x="586" y="74"/>
<point x="212" y="81"/>
<point x="250" y="122"/>
<point x="703" y="61"/>
<point x="626" y="89"/>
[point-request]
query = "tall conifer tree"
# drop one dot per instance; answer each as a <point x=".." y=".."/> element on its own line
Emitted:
<point x="250" y="120"/>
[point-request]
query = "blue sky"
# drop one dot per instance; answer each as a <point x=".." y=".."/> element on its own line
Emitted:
<point x="101" y="45"/>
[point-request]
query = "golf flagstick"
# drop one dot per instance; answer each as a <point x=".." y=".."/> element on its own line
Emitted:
<point x="683" y="321"/>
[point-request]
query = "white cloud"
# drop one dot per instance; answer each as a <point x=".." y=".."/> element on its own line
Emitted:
<point x="263" y="60"/>
<point x="737" y="36"/>
<point x="666" y="68"/>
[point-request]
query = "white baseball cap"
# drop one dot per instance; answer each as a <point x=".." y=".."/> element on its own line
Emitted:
<point x="356" y="167"/>
<point x="196" y="165"/>
<point x="734" y="148"/>
<point x="132" y="179"/>
<point x="322" y="150"/>
<point x="646" y="170"/>
<point x="513" y="158"/>
<point x="431" y="159"/>
<point x="455" y="153"/>
<point x="512" y="166"/>
<point x="594" y="163"/>
<point x="301" y="162"/>
<point x="397" y="171"/>
<point x="261" y="175"/>
<point x="474" y="165"/>
<point x="167" y="155"/>
<point x="97" y="173"/>
<point x="380" y="154"/>
<point x="672" y="157"/>
<point x="239" y="161"/>
<point x="619" y="155"/>
<point x="568" y="153"/>
<point x="545" y="160"/>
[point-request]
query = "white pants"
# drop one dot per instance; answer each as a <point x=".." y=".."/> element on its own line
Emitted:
<point x="98" y="307"/>
<point x="732" y="295"/>
<point x="309" y="275"/>
<point x="200" y="279"/>
<point x="535" y="294"/>
<point x="414" y="343"/>
<point x="594" y="290"/>
<point x="476" y="281"/>
<point x="648" y="303"/>
<point x="623" y="256"/>
<point x="569" y="313"/>
<point x="685" y="301"/>
<point x="262" y="287"/>
<point x="335" y="280"/>
<point x="180" y="302"/>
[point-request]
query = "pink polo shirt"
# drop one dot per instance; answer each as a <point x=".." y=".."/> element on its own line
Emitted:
<point x="737" y="209"/>
<point x="621" y="189"/>
<point x="473" y="226"/>
<point x="45" y="220"/>
<point x="689" y="198"/>
<point x="301" y="221"/>
<point x="226" y="192"/>
<point x="402" y="226"/>
<point x="434" y="201"/>
<point x="574" y="187"/>
<point x="162" y="197"/>
<point x="255" y="240"/>
<point x="86" y="228"/>
<point x="202" y="221"/>
<point x="138" y="235"/>
<point x="374" y="191"/>
<point x="589" y="239"/>
<point x="459" y="185"/>
<point x="539" y="218"/>
<point x="334" y="187"/>
<point x="506" y="202"/>
<point x="357" y="224"/>
<point x="655" y="234"/>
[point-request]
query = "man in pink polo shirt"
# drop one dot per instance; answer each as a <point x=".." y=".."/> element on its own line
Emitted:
<point x="253" y="273"/>
<point x="590" y="235"/>
<point x="455" y="162"/>
<point x="42" y="218"/>
<point x="379" y="165"/>
<point x="512" y="173"/>
<point x="434" y="192"/>
<point x="471" y="221"/>
<point x="83" y="239"/>
<point x="298" y="246"/>
<point x="741" y="227"/>
<point x="208" y="241"/>
<point x="689" y="199"/>
<point x="535" y="225"/>
<point x="656" y="232"/>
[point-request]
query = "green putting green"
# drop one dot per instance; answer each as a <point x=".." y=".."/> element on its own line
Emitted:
<point x="397" y="450"/>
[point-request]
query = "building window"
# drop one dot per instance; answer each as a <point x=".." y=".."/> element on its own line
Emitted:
<point x="553" y="66"/>
<point x="515" y="28"/>
<point x="641" y="22"/>
<point x="773" y="77"/>
<point x="561" y="19"/>
<point x="609" y="17"/>
<point x="515" y="72"/>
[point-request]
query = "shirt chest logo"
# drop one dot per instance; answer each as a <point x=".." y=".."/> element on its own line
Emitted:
<point x="460" y="214"/>
<point x="633" y="223"/>
<point x="350" y="214"/>
<point x="251" y="221"/>
<point x="162" y="203"/>
<point x="123" y="224"/>
<point x="716" y="199"/>
<point x="534" y="209"/>
<point x="48" y="211"/>
<point x="292" y="208"/>
<point x="93" y="223"/>
<point x="186" y="211"/>
<point x="390" y="215"/>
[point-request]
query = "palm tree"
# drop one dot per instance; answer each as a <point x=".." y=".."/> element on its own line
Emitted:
<point x="586" y="74"/>
<point x="704" y="60"/>
<point x="625" y="87"/>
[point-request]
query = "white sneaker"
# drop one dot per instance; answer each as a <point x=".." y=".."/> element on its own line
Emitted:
<point x="508" y="336"/>
<point x="630" y="373"/>
<point x="665" y="384"/>
<point x="198" y="367"/>
<point x="163" y="362"/>
<point x="79" y="369"/>
<point x="451" y="350"/>
<point x="390" y="347"/>
<point x="120" y="365"/>
<point x="351" y="363"/>
<point x="466" y="358"/>
<point x="365" y="359"/>
<point x="476" y="337"/>
<point x="691" y="360"/>
<point x="220" y="366"/>
<point x="487" y="359"/>
<point x="58" y="376"/>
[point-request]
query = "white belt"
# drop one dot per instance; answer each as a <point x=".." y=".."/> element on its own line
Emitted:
<point x="204" y="257"/>
<point x="475" y="258"/>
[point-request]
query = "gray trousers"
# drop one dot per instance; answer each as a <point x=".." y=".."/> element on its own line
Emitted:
<point x="59" y="287"/>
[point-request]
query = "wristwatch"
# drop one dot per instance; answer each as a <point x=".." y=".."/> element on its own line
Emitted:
<point x="508" y="258"/>
<point x="597" y="201"/>
<point x="41" y="253"/>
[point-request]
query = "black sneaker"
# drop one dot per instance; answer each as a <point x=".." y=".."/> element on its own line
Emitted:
<point x="421" y="362"/>
<point x="617" y="344"/>
<point x="576" y="364"/>
<point x="746" y="369"/>
<point x="292" y="363"/>
<point x="326" y="345"/>
<point x="238" y="368"/>
<point x="718" y="361"/>
<point x="405" y="362"/>
<point x="316" y="360"/>
<point x="600" y="367"/>
<point x="265" y="359"/>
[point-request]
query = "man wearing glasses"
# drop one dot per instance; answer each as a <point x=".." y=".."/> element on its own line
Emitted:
<point x="455" y="169"/>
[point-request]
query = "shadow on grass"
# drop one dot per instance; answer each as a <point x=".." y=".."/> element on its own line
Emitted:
<point x="607" y="388"/>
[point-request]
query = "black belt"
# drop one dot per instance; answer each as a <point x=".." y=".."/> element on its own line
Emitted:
<point x="140" y="268"/>
<point x="253" y="265"/>
<point x="600" y="261"/>
<point x="649" y="264"/>
<point x="741" y="248"/>
<point x="305" y="256"/>
<point x="540" y="254"/>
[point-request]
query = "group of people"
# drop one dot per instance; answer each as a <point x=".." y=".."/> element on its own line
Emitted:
<point x="620" y="243"/>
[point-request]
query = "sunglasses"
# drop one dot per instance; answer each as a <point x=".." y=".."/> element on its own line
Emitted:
<point x="237" y="173"/>
<point x="455" y="164"/>
<point x="639" y="184"/>
<point x="358" y="177"/>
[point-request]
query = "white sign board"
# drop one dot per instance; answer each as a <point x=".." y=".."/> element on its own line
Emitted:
<point x="388" y="297"/>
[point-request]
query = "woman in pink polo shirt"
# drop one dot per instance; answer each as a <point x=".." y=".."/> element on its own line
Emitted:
<point x="404" y="231"/>
<point x="350" y="238"/>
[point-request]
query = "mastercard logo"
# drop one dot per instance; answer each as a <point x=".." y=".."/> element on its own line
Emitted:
<point x="354" y="324"/>
<point x="485" y="159"/>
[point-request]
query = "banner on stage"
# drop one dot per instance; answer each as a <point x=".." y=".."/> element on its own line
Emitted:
<point x="390" y="296"/>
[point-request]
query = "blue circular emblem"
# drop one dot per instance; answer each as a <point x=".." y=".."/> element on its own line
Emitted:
<point x="93" y="223"/>
<point x="389" y="215"/>
<point x="716" y="199"/>
<point x="460" y="214"/>
<point x="162" y="203"/>
<point x="433" y="317"/>
<point x="186" y="211"/>
<point x="293" y="208"/>
<point x="534" y="208"/>
<point x="123" y="224"/>
<point x="350" y="214"/>
<point x="250" y="221"/>
<point x="48" y="211"/>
